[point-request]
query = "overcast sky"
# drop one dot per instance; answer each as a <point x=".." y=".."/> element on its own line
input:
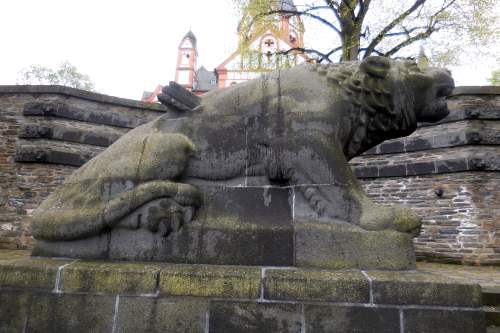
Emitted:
<point x="128" y="46"/>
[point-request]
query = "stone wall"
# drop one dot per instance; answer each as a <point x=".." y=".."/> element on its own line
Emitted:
<point x="448" y="172"/>
<point x="46" y="132"/>
<point x="54" y="295"/>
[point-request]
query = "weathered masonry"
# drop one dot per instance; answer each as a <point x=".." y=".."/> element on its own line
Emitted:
<point x="448" y="172"/>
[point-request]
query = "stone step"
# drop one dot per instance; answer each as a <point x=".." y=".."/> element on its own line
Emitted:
<point x="491" y="296"/>
<point x="492" y="316"/>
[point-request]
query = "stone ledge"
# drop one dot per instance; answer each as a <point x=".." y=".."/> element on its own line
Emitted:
<point x="421" y="288"/>
<point x="315" y="285"/>
<point x="92" y="96"/>
<point x="99" y="296"/>
<point x="458" y="159"/>
<point x="289" y="284"/>
<point x="476" y="90"/>
<point x="211" y="281"/>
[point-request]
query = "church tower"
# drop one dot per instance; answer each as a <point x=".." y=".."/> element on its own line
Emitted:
<point x="186" y="61"/>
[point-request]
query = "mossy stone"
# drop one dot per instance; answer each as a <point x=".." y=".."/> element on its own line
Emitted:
<point x="213" y="281"/>
<point x="422" y="289"/>
<point x="316" y="285"/>
<point x="36" y="273"/>
<point x="111" y="277"/>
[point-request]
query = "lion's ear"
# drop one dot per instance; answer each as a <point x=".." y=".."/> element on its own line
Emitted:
<point x="376" y="66"/>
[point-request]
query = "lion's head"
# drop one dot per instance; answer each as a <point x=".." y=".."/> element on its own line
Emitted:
<point x="389" y="97"/>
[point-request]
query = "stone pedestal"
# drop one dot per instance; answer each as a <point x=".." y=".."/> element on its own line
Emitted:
<point x="259" y="225"/>
<point x="48" y="295"/>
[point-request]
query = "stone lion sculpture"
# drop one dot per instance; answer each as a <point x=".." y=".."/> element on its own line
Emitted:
<point x="296" y="127"/>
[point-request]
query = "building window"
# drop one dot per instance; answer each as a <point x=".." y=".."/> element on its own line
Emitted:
<point x="212" y="82"/>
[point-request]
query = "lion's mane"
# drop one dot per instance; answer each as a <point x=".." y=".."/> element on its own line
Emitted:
<point x="379" y="105"/>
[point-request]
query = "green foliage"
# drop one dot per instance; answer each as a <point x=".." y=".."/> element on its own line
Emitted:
<point x="450" y="30"/>
<point x="66" y="75"/>
<point x="495" y="78"/>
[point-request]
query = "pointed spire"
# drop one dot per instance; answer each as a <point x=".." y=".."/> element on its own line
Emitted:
<point x="190" y="35"/>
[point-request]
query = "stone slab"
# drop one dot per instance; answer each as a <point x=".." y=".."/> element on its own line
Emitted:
<point x="314" y="285"/>
<point x="332" y="246"/>
<point x="71" y="313"/>
<point x="250" y="317"/>
<point x="39" y="273"/>
<point x="422" y="288"/>
<point x="140" y="314"/>
<point x="443" y="321"/>
<point x="211" y="281"/>
<point x="13" y="310"/>
<point x="345" y="319"/>
<point x="112" y="278"/>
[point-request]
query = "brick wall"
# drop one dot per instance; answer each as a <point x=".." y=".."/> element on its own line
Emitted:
<point x="461" y="223"/>
<point x="63" y="137"/>
<point x="448" y="172"/>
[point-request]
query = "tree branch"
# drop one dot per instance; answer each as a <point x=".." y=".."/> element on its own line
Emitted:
<point x="391" y="25"/>
<point x="299" y="13"/>
<point x="323" y="56"/>
<point x="408" y="41"/>
<point x="334" y="6"/>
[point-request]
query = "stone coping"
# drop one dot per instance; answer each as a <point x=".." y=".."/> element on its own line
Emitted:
<point x="88" y="95"/>
<point x="262" y="284"/>
<point x="476" y="90"/>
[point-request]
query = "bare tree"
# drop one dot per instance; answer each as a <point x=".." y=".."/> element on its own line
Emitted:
<point x="360" y="28"/>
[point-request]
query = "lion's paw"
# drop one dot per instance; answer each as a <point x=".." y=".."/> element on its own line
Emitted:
<point x="168" y="216"/>
<point x="397" y="218"/>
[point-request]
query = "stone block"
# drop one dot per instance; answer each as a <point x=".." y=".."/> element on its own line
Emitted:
<point x="141" y="314"/>
<point x="417" y="288"/>
<point x="13" y="311"/>
<point x="392" y="146"/>
<point x="315" y="285"/>
<point x="346" y="319"/>
<point x="366" y="171"/>
<point x="417" y="144"/>
<point x="211" y="281"/>
<point x="451" y="165"/>
<point x="30" y="273"/>
<point x="443" y="321"/>
<point x="111" y="278"/>
<point x="71" y="313"/>
<point x="330" y="246"/>
<point x="420" y="168"/>
<point x="252" y="317"/>
<point x="91" y="248"/>
<point x="246" y="226"/>
<point x="392" y="170"/>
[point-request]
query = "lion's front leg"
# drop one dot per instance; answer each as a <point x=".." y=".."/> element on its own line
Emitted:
<point x="326" y="183"/>
<point x="323" y="184"/>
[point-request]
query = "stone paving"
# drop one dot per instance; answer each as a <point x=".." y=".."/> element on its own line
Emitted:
<point x="487" y="276"/>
